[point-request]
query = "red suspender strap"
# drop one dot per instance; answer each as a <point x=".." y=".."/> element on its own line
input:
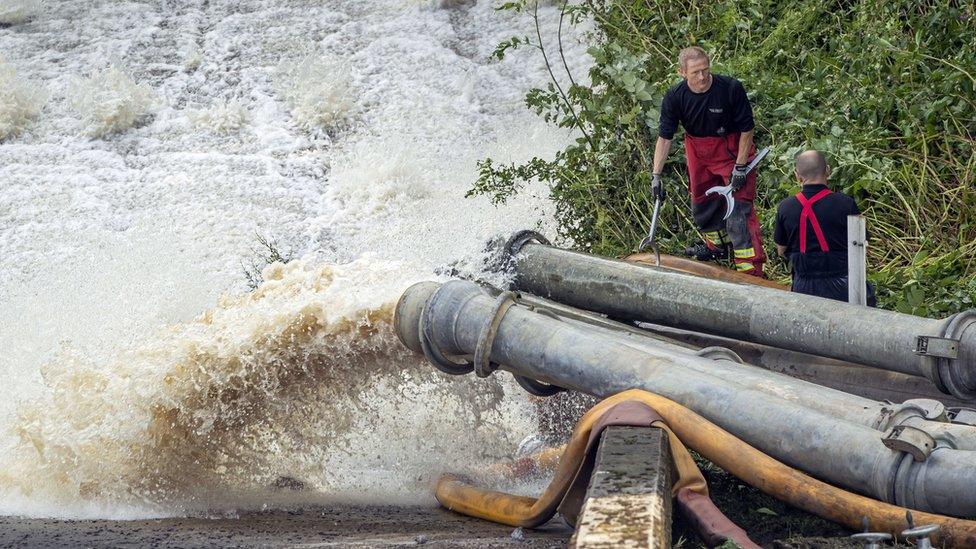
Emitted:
<point x="807" y="213"/>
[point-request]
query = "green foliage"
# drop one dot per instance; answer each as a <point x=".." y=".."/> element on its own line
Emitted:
<point x="887" y="89"/>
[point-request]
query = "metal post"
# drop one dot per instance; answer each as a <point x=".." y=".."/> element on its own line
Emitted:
<point x="857" y="247"/>
<point x="628" y="501"/>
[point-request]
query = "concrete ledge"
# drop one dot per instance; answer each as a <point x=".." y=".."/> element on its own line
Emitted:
<point x="628" y="502"/>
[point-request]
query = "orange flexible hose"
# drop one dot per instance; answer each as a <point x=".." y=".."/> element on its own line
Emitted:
<point x="457" y="495"/>
<point x="726" y="451"/>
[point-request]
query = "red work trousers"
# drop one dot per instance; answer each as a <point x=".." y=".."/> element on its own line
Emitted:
<point x="710" y="162"/>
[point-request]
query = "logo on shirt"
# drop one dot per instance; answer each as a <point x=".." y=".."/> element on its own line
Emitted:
<point x="715" y="110"/>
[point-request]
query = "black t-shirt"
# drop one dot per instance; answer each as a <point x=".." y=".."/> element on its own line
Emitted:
<point x="721" y="110"/>
<point x="831" y="211"/>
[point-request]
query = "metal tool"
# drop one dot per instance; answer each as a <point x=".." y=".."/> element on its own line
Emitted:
<point x="727" y="190"/>
<point x="872" y="540"/>
<point x="649" y="240"/>
<point x="919" y="533"/>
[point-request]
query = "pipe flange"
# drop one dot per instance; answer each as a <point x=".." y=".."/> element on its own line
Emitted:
<point x="902" y="489"/>
<point x="505" y="258"/>
<point x="948" y="368"/>
<point x="483" y="367"/>
<point x="433" y="353"/>
<point x="514" y="244"/>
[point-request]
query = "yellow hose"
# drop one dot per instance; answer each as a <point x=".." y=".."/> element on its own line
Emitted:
<point x="726" y="451"/>
<point x="457" y="495"/>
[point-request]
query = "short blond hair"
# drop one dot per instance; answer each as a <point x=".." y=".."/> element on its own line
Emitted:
<point x="689" y="53"/>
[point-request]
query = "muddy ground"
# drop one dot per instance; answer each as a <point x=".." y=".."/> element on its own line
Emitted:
<point x="307" y="527"/>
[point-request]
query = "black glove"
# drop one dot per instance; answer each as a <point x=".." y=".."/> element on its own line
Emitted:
<point x="657" y="189"/>
<point x="738" y="178"/>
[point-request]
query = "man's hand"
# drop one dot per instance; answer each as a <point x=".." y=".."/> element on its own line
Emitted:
<point x="738" y="178"/>
<point x="657" y="189"/>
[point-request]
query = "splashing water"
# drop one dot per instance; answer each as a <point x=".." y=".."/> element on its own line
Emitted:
<point x="147" y="381"/>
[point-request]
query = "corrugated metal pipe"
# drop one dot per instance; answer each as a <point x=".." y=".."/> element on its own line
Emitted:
<point x="944" y="351"/>
<point x="459" y="319"/>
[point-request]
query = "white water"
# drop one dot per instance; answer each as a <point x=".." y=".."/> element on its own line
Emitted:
<point x="139" y="376"/>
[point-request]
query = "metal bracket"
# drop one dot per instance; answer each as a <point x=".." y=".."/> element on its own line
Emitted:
<point x="962" y="416"/>
<point x="936" y="346"/>
<point x="896" y="414"/>
<point x="904" y="438"/>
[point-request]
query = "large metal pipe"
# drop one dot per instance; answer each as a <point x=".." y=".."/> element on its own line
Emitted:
<point x="944" y="351"/>
<point x="921" y="413"/>
<point x="527" y="343"/>
<point x="865" y="381"/>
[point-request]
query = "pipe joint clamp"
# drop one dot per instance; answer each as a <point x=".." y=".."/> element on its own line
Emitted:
<point x="911" y="440"/>
<point x="940" y="356"/>
<point x="896" y="414"/>
<point x="483" y="366"/>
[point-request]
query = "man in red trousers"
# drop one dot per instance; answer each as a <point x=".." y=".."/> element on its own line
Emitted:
<point x="717" y="118"/>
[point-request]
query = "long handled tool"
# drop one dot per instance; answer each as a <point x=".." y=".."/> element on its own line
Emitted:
<point x="727" y="190"/>
<point x="649" y="240"/>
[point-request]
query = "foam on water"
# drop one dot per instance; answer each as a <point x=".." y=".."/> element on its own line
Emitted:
<point x="144" y="379"/>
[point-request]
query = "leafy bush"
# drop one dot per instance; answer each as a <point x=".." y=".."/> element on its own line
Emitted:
<point x="887" y="89"/>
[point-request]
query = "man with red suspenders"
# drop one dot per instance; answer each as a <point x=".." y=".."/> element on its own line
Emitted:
<point x="811" y="231"/>
<point x="717" y="118"/>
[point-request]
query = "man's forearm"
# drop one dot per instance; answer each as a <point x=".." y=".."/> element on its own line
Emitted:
<point x="745" y="145"/>
<point x="661" y="150"/>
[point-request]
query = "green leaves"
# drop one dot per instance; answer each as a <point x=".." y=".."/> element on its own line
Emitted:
<point x="511" y="44"/>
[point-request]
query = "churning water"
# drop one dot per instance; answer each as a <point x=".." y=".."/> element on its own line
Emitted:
<point x="146" y="146"/>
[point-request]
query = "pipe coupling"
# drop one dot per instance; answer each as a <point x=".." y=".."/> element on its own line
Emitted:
<point x="896" y="414"/>
<point x="503" y="258"/>
<point x="944" y="360"/>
